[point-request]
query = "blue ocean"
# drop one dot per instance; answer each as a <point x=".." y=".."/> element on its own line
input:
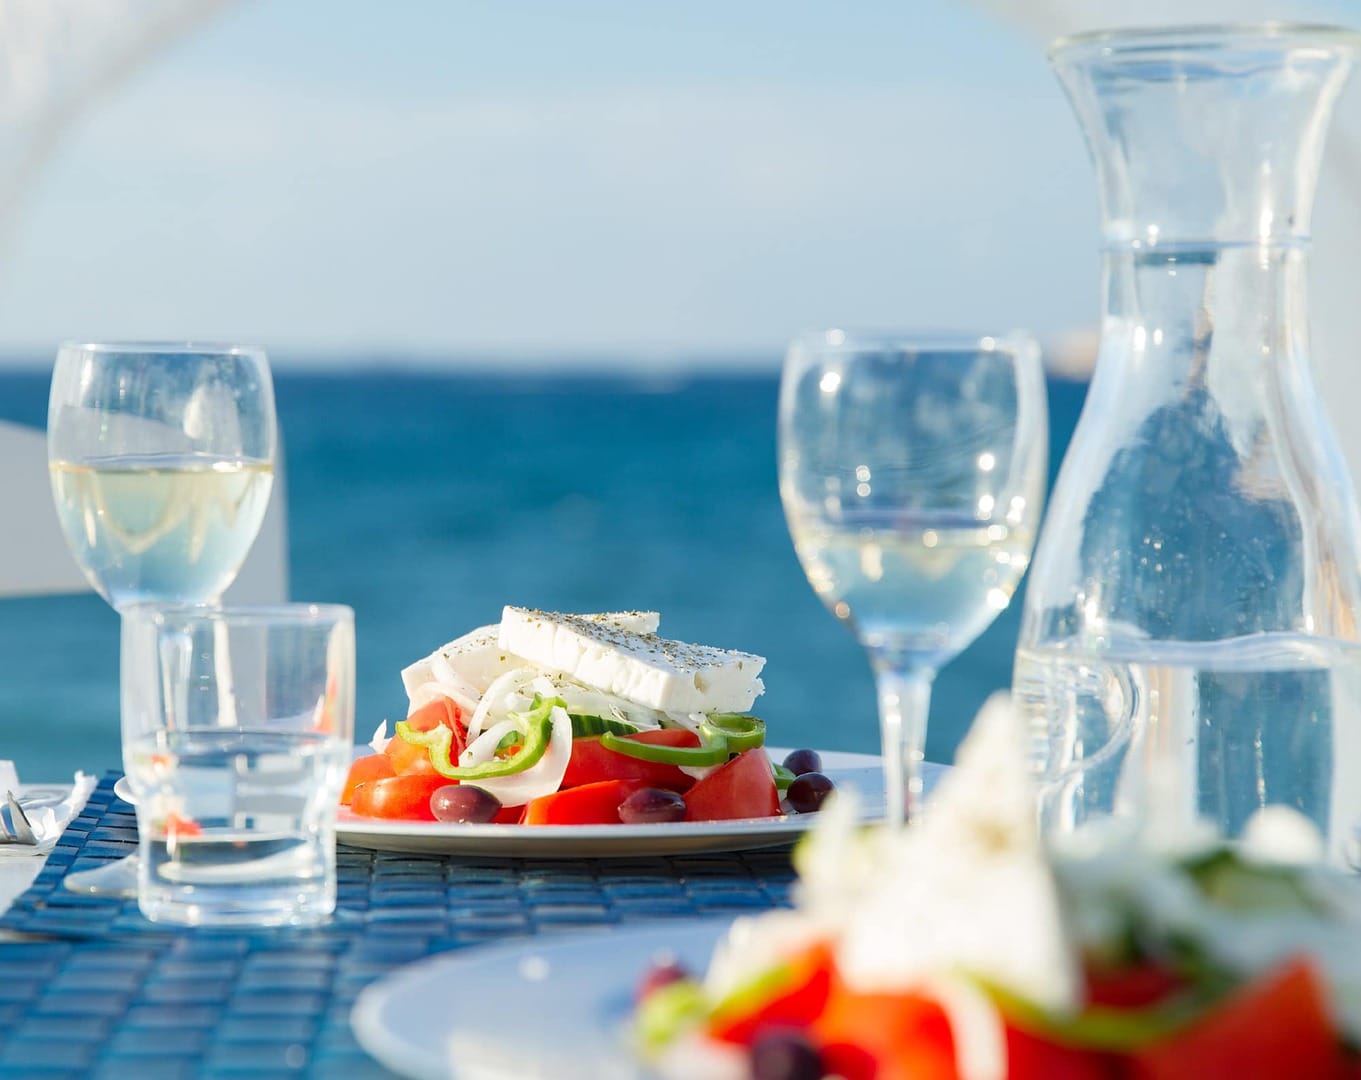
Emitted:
<point x="429" y="501"/>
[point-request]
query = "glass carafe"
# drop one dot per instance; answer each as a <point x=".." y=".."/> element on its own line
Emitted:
<point x="1190" y="649"/>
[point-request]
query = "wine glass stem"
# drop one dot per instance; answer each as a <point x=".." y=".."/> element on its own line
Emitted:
<point x="904" y="702"/>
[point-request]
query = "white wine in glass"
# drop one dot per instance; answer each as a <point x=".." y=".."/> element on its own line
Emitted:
<point x="912" y="474"/>
<point x="162" y="462"/>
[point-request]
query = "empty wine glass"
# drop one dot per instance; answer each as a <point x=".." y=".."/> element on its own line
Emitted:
<point x="912" y="473"/>
<point x="162" y="460"/>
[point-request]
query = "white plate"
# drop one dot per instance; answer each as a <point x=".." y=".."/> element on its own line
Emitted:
<point x="861" y="772"/>
<point x="565" y="1004"/>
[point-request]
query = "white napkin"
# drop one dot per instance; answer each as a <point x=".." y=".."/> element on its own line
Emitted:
<point x="48" y="809"/>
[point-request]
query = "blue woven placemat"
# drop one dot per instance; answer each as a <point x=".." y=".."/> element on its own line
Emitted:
<point x="110" y="994"/>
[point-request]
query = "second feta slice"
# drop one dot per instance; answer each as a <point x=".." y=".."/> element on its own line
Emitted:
<point x="671" y="676"/>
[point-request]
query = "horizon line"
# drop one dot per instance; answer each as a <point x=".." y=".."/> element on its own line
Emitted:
<point x="641" y="362"/>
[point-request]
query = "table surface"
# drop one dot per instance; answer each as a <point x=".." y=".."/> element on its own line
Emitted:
<point x="89" y="988"/>
<point x="16" y="875"/>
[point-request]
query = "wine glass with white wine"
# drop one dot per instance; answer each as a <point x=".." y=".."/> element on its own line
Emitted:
<point x="912" y="473"/>
<point x="162" y="461"/>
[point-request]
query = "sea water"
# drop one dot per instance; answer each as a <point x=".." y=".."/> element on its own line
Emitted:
<point x="237" y="826"/>
<point x="1179" y="731"/>
<point x="427" y="501"/>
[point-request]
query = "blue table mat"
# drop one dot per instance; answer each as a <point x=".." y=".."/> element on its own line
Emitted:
<point x="108" y="994"/>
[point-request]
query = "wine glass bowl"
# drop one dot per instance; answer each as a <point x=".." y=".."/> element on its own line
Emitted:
<point x="912" y="473"/>
<point x="161" y="459"/>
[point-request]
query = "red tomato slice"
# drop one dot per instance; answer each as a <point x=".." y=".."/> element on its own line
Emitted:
<point x="885" y="1036"/>
<point x="372" y="767"/>
<point x="397" y="797"/>
<point x="440" y="711"/>
<point x="591" y="762"/>
<point x="1132" y="986"/>
<point x="590" y="804"/>
<point x="1032" y="1057"/>
<point x="407" y="758"/>
<point x="1276" y="1026"/>
<point x="742" y="788"/>
<point x="794" y="997"/>
<point x="510" y="815"/>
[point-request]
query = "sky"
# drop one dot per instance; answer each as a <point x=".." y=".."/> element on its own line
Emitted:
<point x="594" y="180"/>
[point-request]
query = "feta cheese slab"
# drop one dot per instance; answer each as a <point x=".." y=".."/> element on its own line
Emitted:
<point x="670" y="676"/>
<point x="477" y="658"/>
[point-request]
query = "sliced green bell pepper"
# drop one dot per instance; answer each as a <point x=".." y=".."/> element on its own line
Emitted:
<point x="720" y="736"/>
<point x="439" y="740"/>
<point x="742" y="731"/>
<point x="707" y="753"/>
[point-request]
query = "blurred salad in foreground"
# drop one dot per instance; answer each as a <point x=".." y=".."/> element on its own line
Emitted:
<point x="966" y="947"/>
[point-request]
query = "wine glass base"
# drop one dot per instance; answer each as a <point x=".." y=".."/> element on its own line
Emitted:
<point x="118" y="878"/>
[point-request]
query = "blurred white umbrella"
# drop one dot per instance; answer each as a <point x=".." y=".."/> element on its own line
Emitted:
<point x="1335" y="315"/>
<point x="57" y="58"/>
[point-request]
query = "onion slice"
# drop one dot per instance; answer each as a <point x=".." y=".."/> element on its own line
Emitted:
<point x="483" y="748"/>
<point x="501" y="688"/>
<point x="692" y="722"/>
<point x="543" y="778"/>
<point x="453" y="684"/>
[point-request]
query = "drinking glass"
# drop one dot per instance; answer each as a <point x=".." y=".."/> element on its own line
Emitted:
<point x="912" y="473"/>
<point x="237" y="732"/>
<point x="161" y="458"/>
<point x="162" y="461"/>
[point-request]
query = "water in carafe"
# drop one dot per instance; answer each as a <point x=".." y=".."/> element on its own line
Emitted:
<point x="1189" y="650"/>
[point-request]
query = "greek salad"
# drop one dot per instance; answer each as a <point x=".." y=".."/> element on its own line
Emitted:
<point x="967" y="947"/>
<point x="556" y="719"/>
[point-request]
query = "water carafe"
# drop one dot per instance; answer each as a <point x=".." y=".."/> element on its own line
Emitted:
<point x="1189" y="649"/>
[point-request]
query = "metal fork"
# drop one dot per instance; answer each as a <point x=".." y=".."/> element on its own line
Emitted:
<point x="15" y="827"/>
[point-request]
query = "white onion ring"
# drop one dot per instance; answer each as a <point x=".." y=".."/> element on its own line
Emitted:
<point x="501" y="687"/>
<point x="427" y="692"/>
<point x="483" y="748"/>
<point x="542" y="778"/>
<point x="454" y="685"/>
<point x="691" y="722"/>
<point x="980" y="1039"/>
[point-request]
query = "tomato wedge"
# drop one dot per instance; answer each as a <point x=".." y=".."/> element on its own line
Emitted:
<point x="372" y="767"/>
<point x="589" y="804"/>
<point x="440" y="711"/>
<point x="397" y="797"/>
<point x="1132" y="986"/>
<point x="591" y="762"/>
<point x="1277" y="1026"/>
<point x="885" y="1036"/>
<point x="1034" y="1057"/>
<point x="409" y="759"/>
<point x="792" y="996"/>
<point x="743" y="788"/>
